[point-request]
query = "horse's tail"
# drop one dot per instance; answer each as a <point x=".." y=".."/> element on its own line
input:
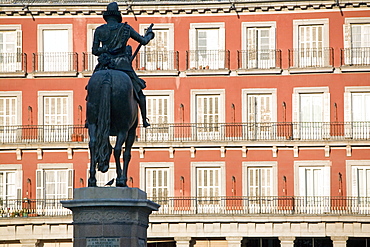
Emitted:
<point x="103" y="146"/>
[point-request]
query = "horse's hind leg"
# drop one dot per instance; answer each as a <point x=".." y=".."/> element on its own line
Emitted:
<point x="120" y="182"/>
<point x="127" y="154"/>
<point x="92" y="144"/>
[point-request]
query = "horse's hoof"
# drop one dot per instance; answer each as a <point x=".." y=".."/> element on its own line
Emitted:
<point x="92" y="183"/>
<point x="121" y="183"/>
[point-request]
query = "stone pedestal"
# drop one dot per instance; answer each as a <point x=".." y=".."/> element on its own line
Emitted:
<point x="110" y="216"/>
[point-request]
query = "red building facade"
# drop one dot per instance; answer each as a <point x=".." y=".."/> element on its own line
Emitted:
<point x="260" y="119"/>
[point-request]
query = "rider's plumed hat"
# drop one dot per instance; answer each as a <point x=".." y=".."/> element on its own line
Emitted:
<point x="112" y="10"/>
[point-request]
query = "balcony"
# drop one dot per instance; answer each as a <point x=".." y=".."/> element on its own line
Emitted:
<point x="89" y="62"/>
<point x="311" y="60"/>
<point x="221" y="205"/>
<point x="259" y="61"/>
<point x="198" y="132"/>
<point x="355" y="59"/>
<point x="202" y="62"/>
<point x="157" y="63"/>
<point x="55" y="63"/>
<point x="13" y="64"/>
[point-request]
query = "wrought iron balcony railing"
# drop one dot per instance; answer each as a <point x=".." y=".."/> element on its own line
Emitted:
<point x="157" y="60"/>
<point x="218" y="205"/>
<point x="13" y="62"/>
<point x="259" y="59"/>
<point x="308" y="58"/>
<point x="207" y="59"/>
<point x="358" y="56"/>
<point x="198" y="132"/>
<point x="55" y="62"/>
<point x="89" y="61"/>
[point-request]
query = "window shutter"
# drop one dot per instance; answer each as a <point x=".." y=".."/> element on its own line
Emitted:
<point x="347" y="43"/>
<point x="19" y="48"/>
<point x="252" y="47"/>
<point x="326" y="114"/>
<point x="325" y="181"/>
<point x="70" y="183"/>
<point x="18" y="183"/>
<point x="355" y="181"/>
<point x="302" y="181"/>
<point x="295" y="115"/>
<point x="39" y="184"/>
<point x="192" y="39"/>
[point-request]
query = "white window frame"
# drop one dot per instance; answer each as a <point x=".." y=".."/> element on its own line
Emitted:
<point x="193" y="175"/>
<point x="169" y="26"/>
<point x="40" y="100"/>
<point x="296" y="107"/>
<point x="347" y="34"/>
<point x="92" y="60"/>
<point x="212" y="25"/>
<point x="17" y="168"/>
<point x="18" y="95"/>
<point x="18" y="45"/>
<point x="349" y="165"/>
<point x="268" y="24"/>
<point x="257" y="91"/>
<point x="195" y="92"/>
<point x="260" y="164"/>
<point x="348" y="126"/>
<point x="296" y="38"/>
<point x="171" y="174"/>
<point x="42" y="27"/>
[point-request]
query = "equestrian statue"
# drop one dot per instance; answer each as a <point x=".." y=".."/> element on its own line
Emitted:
<point x="114" y="92"/>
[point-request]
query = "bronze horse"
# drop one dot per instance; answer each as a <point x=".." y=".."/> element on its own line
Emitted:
<point x="111" y="111"/>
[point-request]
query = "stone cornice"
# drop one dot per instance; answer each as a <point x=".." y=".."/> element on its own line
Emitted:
<point x="176" y="8"/>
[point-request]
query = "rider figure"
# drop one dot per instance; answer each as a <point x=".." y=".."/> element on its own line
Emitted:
<point x="114" y="52"/>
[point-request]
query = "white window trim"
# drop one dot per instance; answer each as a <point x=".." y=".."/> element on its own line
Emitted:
<point x="296" y="101"/>
<point x="171" y="175"/>
<point x="246" y="25"/>
<point x="297" y="23"/>
<point x="246" y="92"/>
<point x="90" y="38"/>
<point x="42" y="27"/>
<point x="260" y="164"/>
<point x="54" y="166"/>
<point x="17" y="168"/>
<point x="309" y="163"/>
<point x="195" y="92"/>
<point x="348" y="99"/>
<point x="169" y="26"/>
<point x="195" y="26"/>
<point x="169" y="93"/>
<point x="349" y="165"/>
<point x="18" y="95"/>
<point x="40" y="101"/>
<point x="193" y="175"/>
<point x="10" y="27"/>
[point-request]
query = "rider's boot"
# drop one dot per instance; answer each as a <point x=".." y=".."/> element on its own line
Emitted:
<point x="142" y="105"/>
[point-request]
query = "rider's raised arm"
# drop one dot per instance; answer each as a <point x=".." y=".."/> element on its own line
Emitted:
<point x="143" y="40"/>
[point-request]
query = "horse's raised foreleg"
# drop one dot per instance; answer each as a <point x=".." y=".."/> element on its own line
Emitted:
<point x="120" y="182"/>
<point x="92" y="145"/>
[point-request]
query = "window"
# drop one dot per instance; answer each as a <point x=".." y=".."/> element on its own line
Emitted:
<point x="55" y="114"/>
<point x="10" y="186"/>
<point x="312" y="186"/>
<point x="311" y="43"/>
<point x="156" y="178"/>
<point x="10" y="48"/>
<point x="159" y="53"/>
<point x="358" y="185"/>
<point x="55" y="48"/>
<point x="160" y="114"/>
<point x="311" y="113"/>
<point x="357" y="112"/>
<point x="207" y="46"/>
<point x="53" y="183"/>
<point x="208" y="185"/>
<point x="259" y="112"/>
<point x="357" y="41"/>
<point x="258" y="44"/>
<point x="208" y="108"/>
<point x="103" y="178"/>
<point x="260" y="185"/>
<point x="10" y="115"/>
<point x="90" y="60"/>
